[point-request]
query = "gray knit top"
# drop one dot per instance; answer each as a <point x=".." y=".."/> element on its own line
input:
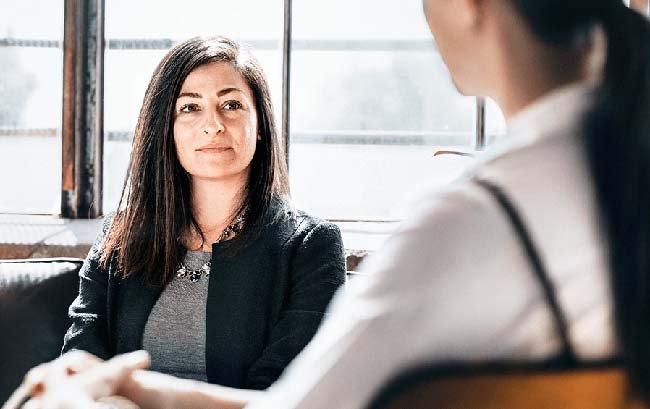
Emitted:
<point x="174" y="334"/>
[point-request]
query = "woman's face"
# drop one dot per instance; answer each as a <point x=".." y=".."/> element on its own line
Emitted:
<point x="215" y="123"/>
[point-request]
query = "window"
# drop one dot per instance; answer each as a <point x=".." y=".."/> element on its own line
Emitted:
<point x="30" y="107"/>
<point x="370" y="99"/>
<point x="371" y="102"/>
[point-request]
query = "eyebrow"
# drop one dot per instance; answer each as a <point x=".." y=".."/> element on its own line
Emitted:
<point x="228" y="91"/>
<point x="219" y="94"/>
<point x="189" y="95"/>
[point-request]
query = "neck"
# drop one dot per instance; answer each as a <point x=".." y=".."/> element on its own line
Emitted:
<point x="522" y="89"/>
<point x="215" y="202"/>
<point x="526" y="68"/>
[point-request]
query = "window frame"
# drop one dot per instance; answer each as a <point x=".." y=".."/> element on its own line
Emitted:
<point x="84" y="44"/>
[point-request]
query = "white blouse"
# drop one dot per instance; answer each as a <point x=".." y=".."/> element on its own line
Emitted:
<point x="455" y="284"/>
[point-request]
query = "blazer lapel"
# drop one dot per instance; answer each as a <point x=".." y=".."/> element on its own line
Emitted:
<point x="135" y="301"/>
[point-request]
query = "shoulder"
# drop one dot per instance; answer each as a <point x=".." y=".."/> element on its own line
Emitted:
<point x="459" y="229"/>
<point x="462" y="208"/>
<point x="307" y="223"/>
<point x="456" y="248"/>
<point x="107" y="221"/>
<point x="97" y="250"/>
<point x="295" y="226"/>
<point x="97" y="246"/>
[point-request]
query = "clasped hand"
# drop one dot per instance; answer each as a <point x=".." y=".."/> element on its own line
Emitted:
<point x="76" y="380"/>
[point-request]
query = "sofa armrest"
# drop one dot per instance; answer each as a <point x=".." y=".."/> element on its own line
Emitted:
<point x="34" y="298"/>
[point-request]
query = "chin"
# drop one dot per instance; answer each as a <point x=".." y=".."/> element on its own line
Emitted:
<point x="462" y="90"/>
<point x="218" y="174"/>
<point x="464" y="87"/>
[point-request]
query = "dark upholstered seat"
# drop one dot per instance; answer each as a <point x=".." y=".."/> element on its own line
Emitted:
<point x="34" y="298"/>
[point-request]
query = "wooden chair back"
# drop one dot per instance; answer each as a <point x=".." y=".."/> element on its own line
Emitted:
<point x="598" y="388"/>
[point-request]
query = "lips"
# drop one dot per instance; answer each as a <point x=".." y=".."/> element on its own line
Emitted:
<point x="214" y="148"/>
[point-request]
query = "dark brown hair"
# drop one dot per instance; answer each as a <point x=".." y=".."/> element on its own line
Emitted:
<point x="155" y="209"/>
<point x="617" y="140"/>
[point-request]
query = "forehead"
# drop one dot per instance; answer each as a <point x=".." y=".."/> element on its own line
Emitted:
<point x="214" y="77"/>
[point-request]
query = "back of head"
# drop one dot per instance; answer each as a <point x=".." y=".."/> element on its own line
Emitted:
<point x="616" y="132"/>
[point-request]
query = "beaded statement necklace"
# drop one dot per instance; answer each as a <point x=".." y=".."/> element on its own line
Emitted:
<point x="194" y="275"/>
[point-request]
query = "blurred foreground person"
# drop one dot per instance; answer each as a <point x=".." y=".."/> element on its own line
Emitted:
<point x="456" y="284"/>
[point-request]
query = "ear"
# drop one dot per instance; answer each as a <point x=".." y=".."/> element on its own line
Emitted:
<point x="259" y="137"/>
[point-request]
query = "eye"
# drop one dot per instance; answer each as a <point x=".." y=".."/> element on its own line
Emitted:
<point x="232" y="105"/>
<point x="189" y="108"/>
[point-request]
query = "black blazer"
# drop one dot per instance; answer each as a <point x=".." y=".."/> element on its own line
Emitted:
<point x="265" y="300"/>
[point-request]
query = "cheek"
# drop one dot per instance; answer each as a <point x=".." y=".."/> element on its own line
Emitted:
<point x="452" y="50"/>
<point x="435" y="17"/>
<point x="441" y="35"/>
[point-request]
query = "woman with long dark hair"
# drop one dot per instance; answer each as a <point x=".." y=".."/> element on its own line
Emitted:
<point x="541" y="255"/>
<point x="206" y="265"/>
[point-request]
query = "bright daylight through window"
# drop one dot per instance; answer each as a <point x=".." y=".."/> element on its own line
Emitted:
<point x="370" y="101"/>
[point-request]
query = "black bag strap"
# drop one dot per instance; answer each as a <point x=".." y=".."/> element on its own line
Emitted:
<point x="568" y="355"/>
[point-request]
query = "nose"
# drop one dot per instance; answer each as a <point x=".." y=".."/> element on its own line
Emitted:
<point x="214" y="124"/>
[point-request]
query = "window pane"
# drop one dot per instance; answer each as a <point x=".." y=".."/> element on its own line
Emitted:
<point x="256" y="19"/>
<point x="32" y="19"/>
<point x="495" y="124"/>
<point x="371" y="104"/>
<point x="128" y="70"/>
<point x="30" y="107"/>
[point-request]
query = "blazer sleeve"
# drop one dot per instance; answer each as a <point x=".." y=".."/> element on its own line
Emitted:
<point x="88" y="312"/>
<point x="317" y="271"/>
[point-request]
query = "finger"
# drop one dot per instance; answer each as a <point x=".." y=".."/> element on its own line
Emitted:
<point x="79" y="391"/>
<point x="18" y="398"/>
<point x="106" y="379"/>
<point x="71" y="363"/>
<point x="134" y="360"/>
<point x="76" y="361"/>
<point x="117" y="402"/>
<point x="62" y="398"/>
<point x="81" y="362"/>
